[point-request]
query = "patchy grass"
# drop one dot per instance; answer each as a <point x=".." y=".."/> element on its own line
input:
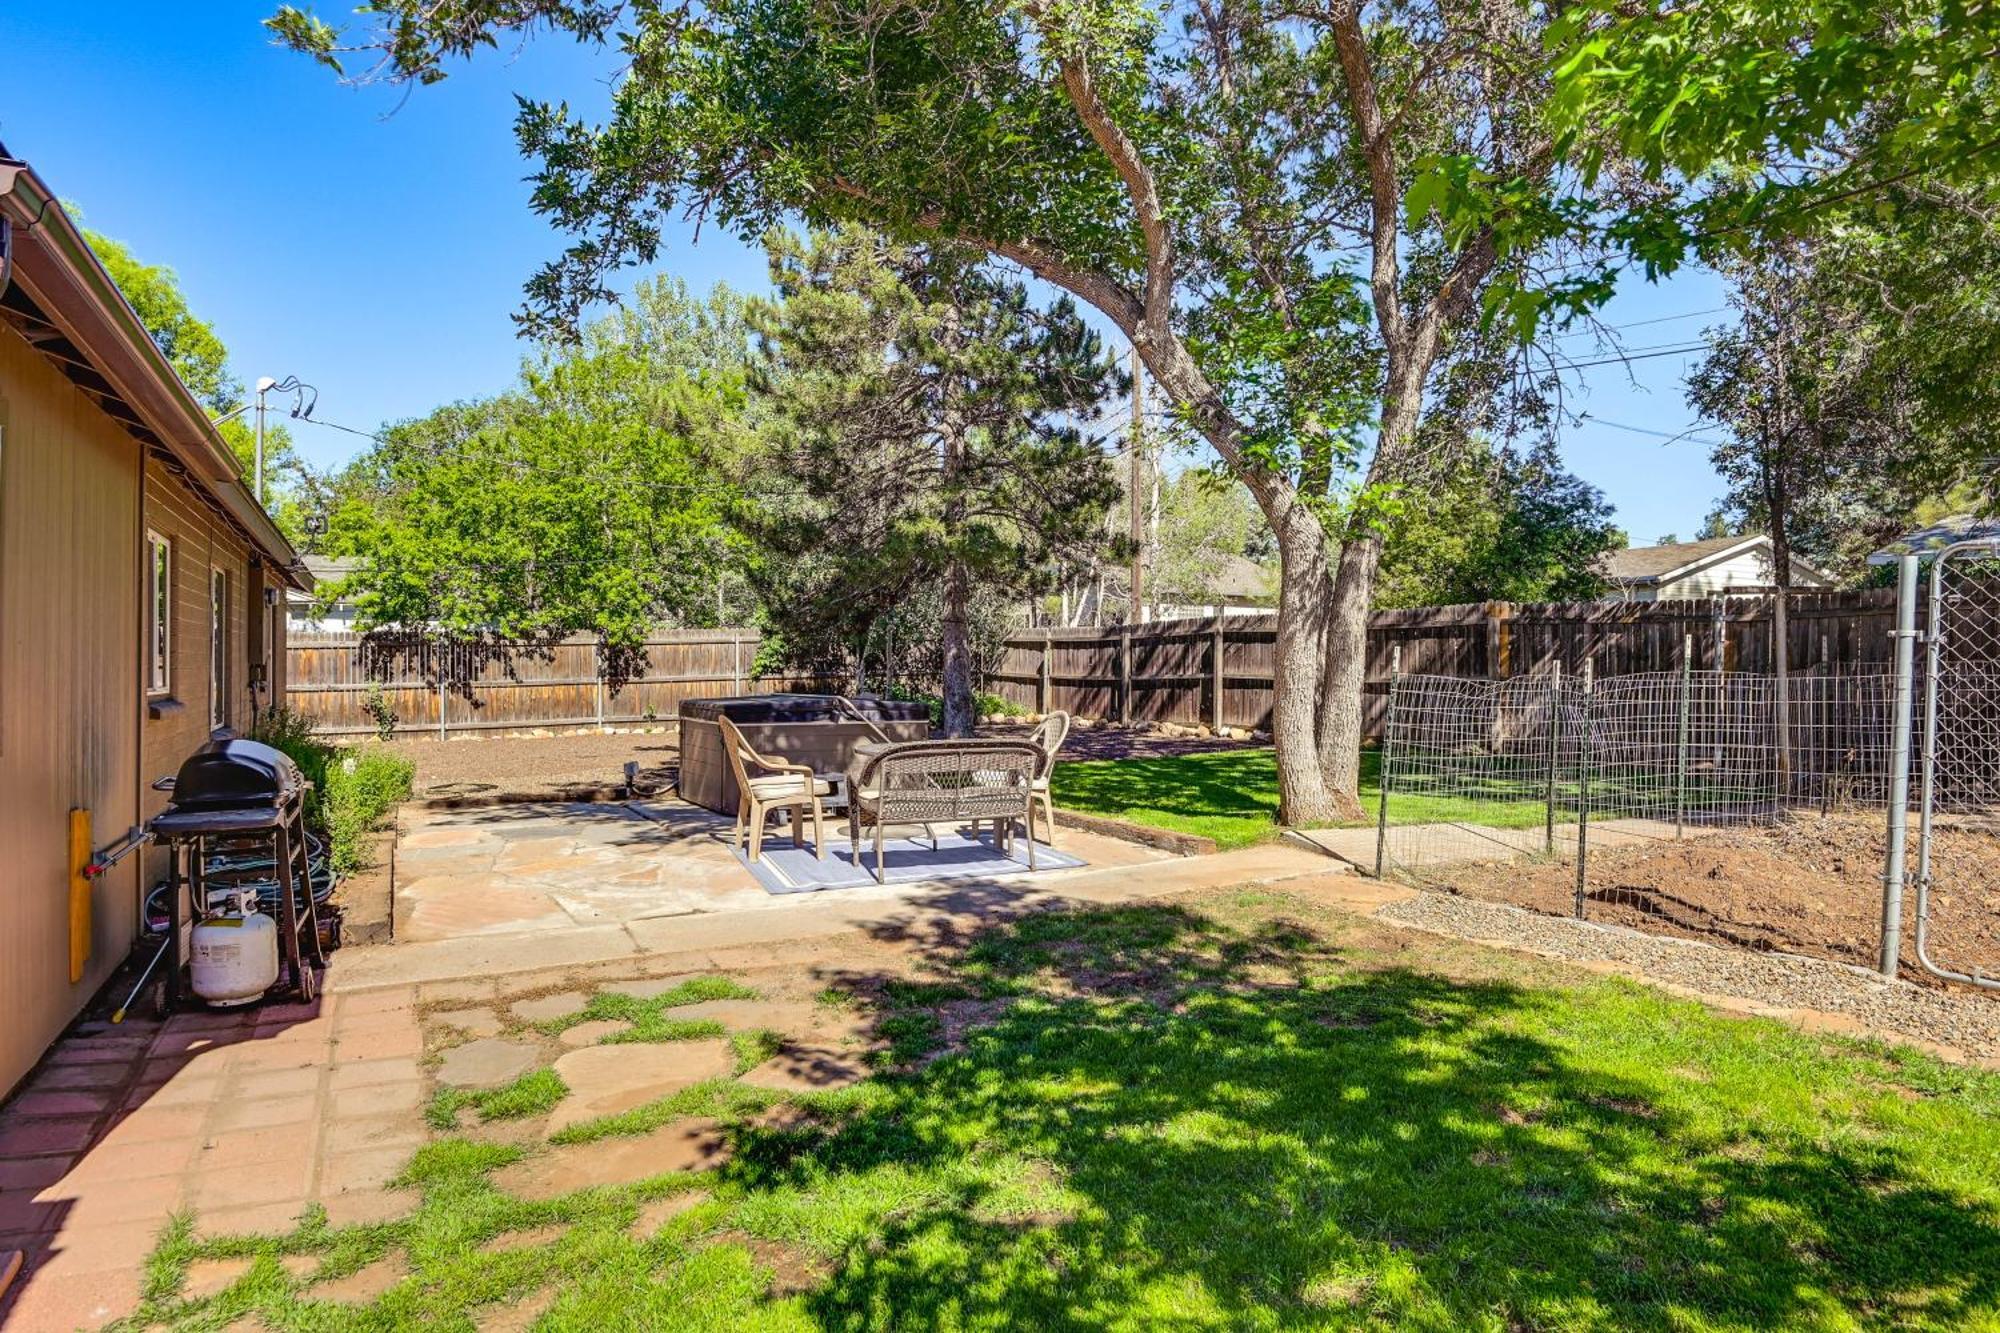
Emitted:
<point x="652" y="1018"/>
<point x="1231" y="796"/>
<point x="534" y="1093"/>
<point x="1219" y="1118"/>
<point x="754" y="1046"/>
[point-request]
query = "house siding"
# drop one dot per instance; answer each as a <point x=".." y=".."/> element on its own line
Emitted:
<point x="175" y="724"/>
<point x="69" y="683"/>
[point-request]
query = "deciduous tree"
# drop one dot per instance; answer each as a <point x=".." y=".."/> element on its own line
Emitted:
<point x="1291" y="211"/>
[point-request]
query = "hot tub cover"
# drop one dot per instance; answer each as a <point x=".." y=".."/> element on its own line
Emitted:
<point x="802" y="708"/>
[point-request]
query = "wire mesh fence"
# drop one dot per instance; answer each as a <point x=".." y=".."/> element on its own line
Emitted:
<point x="1955" y="934"/>
<point x="1573" y="776"/>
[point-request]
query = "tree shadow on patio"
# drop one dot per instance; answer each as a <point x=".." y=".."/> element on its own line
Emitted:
<point x="1173" y="1122"/>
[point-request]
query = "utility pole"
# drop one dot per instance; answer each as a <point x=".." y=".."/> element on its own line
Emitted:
<point x="1136" y="446"/>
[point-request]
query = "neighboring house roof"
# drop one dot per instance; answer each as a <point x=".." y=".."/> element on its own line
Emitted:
<point x="1957" y="528"/>
<point x="1235" y="578"/>
<point x="57" y="295"/>
<point x="324" y="569"/>
<point x="1652" y="566"/>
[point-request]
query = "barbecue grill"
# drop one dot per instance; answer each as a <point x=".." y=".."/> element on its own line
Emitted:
<point x="227" y="793"/>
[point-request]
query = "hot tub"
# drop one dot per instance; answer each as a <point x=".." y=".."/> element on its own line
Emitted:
<point x="813" y="729"/>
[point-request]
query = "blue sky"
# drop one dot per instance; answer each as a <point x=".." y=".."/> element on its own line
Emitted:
<point x="375" y="245"/>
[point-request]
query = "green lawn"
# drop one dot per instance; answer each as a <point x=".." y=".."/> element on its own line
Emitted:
<point x="1214" y="1117"/>
<point x="1232" y="796"/>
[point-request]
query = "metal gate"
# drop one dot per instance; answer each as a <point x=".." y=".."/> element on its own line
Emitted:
<point x="1960" y="770"/>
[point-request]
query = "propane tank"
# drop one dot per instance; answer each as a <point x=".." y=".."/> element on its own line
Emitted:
<point x="235" y="954"/>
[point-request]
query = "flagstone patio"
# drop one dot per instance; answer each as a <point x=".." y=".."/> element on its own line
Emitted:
<point x="514" y="926"/>
<point x="503" y="870"/>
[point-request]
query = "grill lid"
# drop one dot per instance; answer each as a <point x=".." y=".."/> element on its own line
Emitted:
<point x="225" y="774"/>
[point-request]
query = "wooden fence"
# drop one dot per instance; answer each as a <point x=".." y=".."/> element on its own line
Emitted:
<point x="352" y="687"/>
<point x="1212" y="671"/>
<point x="1216" y="671"/>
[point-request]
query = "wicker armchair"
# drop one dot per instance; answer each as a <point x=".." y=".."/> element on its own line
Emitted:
<point x="939" y="782"/>
<point x="1048" y="737"/>
<point x="781" y="786"/>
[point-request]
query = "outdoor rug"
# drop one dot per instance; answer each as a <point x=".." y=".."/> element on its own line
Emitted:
<point x="788" y="869"/>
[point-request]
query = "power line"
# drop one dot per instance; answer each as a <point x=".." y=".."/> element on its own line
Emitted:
<point x="1690" y="432"/>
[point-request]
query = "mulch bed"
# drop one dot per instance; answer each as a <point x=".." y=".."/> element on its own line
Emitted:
<point x="1809" y="884"/>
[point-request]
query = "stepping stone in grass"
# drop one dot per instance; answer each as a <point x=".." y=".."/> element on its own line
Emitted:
<point x="518" y="1316"/>
<point x="790" y="1016"/>
<point x="526" y="1239"/>
<point x="589" y="1034"/>
<point x="654" y="1215"/>
<point x="604" y="1080"/>
<point x="807" y="1069"/>
<point x="686" y="1145"/>
<point x="647" y="988"/>
<point x="488" y="1062"/>
<point x="364" y="1284"/>
<point x="206" y="1277"/>
<point x="477" y="1022"/>
<point x="560" y="1005"/>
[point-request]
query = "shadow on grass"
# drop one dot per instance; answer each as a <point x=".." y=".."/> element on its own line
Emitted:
<point x="1176" y="1124"/>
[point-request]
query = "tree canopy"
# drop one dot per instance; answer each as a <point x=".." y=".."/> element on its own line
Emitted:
<point x="588" y="499"/>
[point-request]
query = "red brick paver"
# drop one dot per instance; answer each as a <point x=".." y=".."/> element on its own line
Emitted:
<point x="242" y="1118"/>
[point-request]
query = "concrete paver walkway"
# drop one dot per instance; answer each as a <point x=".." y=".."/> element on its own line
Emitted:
<point x="243" y="1118"/>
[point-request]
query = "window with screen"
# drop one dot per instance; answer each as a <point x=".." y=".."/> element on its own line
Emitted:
<point x="159" y="613"/>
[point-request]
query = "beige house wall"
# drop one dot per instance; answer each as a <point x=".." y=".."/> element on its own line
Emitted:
<point x="69" y="689"/>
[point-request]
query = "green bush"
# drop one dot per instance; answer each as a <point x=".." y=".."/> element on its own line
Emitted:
<point x="296" y="734"/>
<point x="351" y="790"/>
<point x="360" y="789"/>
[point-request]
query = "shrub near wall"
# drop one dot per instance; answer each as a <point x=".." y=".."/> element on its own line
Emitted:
<point x="351" y="790"/>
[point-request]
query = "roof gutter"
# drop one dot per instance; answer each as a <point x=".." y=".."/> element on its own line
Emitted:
<point x="53" y="263"/>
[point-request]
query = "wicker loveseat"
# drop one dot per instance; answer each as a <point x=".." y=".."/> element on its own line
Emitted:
<point x="941" y="782"/>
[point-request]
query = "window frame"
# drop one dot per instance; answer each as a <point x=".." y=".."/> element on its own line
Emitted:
<point x="159" y="614"/>
<point x="218" y="646"/>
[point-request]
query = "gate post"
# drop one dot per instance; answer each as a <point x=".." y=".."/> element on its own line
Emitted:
<point x="1583" y="790"/>
<point x="1899" y="765"/>
<point x="1382" y="776"/>
<point x="1555" y="760"/>
<point x="1681" y="740"/>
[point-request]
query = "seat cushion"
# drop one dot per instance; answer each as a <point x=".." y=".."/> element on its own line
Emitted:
<point x="788" y="786"/>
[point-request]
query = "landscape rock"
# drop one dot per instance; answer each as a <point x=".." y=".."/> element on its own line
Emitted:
<point x="589" y="1034"/>
<point x="486" y="1063"/>
<point x="686" y="1145"/>
<point x="807" y="1069"/>
<point x="604" y="1080"/>
<point x="560" y="1005"/>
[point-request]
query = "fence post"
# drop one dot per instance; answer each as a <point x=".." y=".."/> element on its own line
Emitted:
<point x="1681" y="739"/>
<point x="1899" y="766"/>
<point x="735" y="664"/>
<point x="1555" y="759"/>
<point x="1125" y="675"/>
<point x="1216" y="644"/>
<point x="598" y="658"/>
<point x="1044" y="687"/>
<point x="1583" y="793"/>
<point x="1388" y="731"/>
<point x="438" y="662"/>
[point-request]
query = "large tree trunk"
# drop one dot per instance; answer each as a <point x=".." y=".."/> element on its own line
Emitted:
<point x="959" y="716"/>
<point x="1343" y="699"/>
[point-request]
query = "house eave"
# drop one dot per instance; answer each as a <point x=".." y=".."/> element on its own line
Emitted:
<point x="129" y="377"/>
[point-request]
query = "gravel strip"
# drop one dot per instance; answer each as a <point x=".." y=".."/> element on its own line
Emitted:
<point x="1965" y="1024"/>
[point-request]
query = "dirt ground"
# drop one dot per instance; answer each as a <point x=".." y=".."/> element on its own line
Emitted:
<point x="572" y="765"/>
<point x="1810" y="884"/>
<point x="579" y="765"/>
